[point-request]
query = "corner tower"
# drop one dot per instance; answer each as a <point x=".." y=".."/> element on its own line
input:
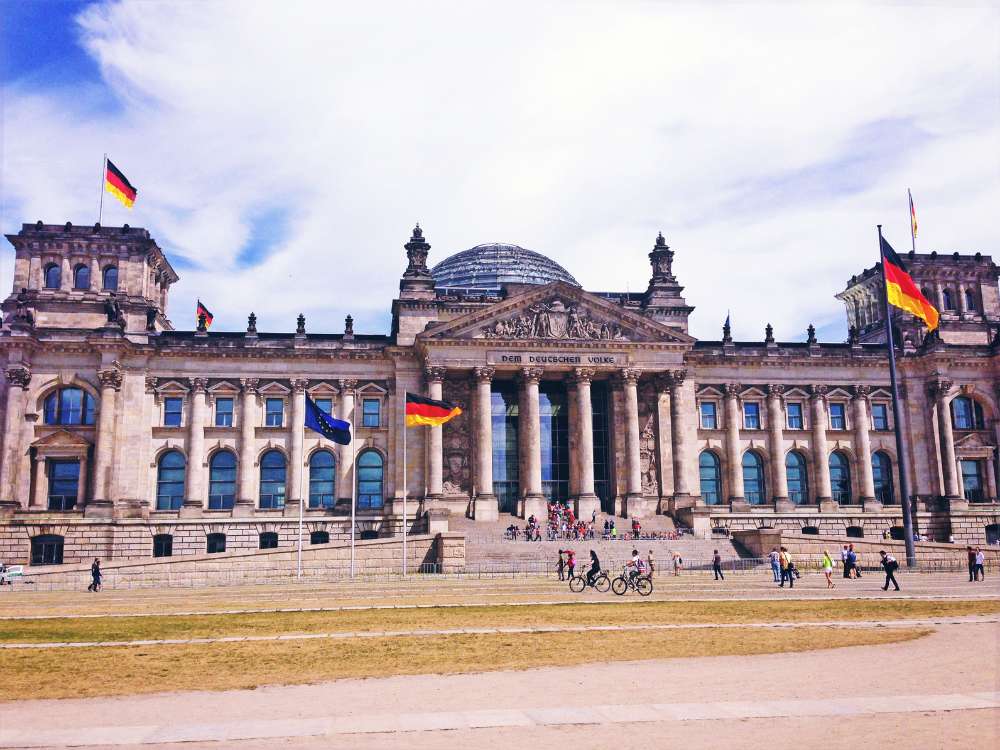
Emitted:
<point x="663" y="301"/>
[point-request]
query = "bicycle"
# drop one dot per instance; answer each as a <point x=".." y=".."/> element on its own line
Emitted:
<point x="602" y="582"/>
<point x="643" y="584"/>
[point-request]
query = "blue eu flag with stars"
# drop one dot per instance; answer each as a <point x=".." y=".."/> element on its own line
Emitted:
<point x="336" y="430"/>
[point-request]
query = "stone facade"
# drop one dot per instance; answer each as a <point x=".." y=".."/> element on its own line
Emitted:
<point x="118" y="428"/>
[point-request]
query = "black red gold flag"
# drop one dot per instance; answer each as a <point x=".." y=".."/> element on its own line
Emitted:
<point x="202" y="310"/>
<point x="426" y="411"/>
<point x="118" y="185"/>
<point x="902" y="292"/>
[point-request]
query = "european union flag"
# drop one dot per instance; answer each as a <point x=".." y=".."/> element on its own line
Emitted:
<point x="336" y="430"/>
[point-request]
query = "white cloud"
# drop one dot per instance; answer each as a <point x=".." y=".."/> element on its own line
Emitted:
<point x="764" y="140"/>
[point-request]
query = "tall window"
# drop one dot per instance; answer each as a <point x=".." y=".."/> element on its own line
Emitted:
<point x="53" y="276"/>
<point x="46" y="549"/>
<point x="882" y="474"/>
<point x="970" y="300"/>
<point x="325" y="405"/>
<point x="708" y="415"/>
<point x="949" y="302"/>
<point x="753" y="478"/>
<point x="838" y="418"/>
<point x="215" y="543"/>
<point x="751" y="416"/>
<point x="840" y="478"/>
<point x="81" y="277"/>
<point x="798" y="481"/>
<point x="602" y="445"/>
<point x="268" y="540"/>
<point x="554" y="437"/>
<point x="794" y="411"/>
<point x="170" y="481"/>
<point x="967" y="414"/>
<point x="504" y="415"/>
<point x="711" y="478"/>
<point x="972" y="480"/>
<point x="111" y="279"/>
<point x="371" y="415"/>
<point x="370" y="480"/>
<point x="321" y="480"/>
<point x="272" y="480"/>
<point x="222" y="481"/>
<point x="173" y="407"/>
<point x="274" y="412"/>
<point x="880" y="417"/>
<point x="223" y="412"/>
<point x="69" y="406"/>
<point x="163" y="545"/>
<point x="64" y="483"/>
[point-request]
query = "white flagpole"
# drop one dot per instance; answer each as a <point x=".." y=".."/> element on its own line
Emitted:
<point x="104" y="174"/>
<point x="354" y="486"/>
<point x="405" y="428"/>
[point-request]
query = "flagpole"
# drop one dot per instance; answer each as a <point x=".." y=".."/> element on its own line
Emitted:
<point x="301" y="503"/>
<point x="405" y="429"/>
<point x="354" y="485"/>
<point x="104" y="174"/>
<point x="913" y="234"/>
<point x="901" y="458"/>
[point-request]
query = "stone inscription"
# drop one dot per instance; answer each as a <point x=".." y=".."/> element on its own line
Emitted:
<point x="555" y="358"/>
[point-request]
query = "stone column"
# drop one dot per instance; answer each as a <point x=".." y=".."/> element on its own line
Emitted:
<point x="35" y="280"/>
<point x="963" y="309"/>
<point x="734" y="456"/>
<point x="345" y="459"/>
<point x="38" y="491"/>
<point x="18" y="377"/>
<point x="939" y="293"/>
<point x="863" y="446"/>
<point x="485" y="508"/>
<point x="296" y="442"/>
<point x="195" y="493"/>
<point x="776" y="447"/>
<point x="529" y="427"/>
<point x="820" y="452"/>
<point x="95" y="274"/>
<point x="587" y="501"/>
<point x="435" y="442"/>
<point x="111" y="383"/>
<point x="949" y="463"/>
<point x="633" y="466"/>
<point x="682" y="448"/>
<point x="245" y="503"/>
<point x="65" y="275"/>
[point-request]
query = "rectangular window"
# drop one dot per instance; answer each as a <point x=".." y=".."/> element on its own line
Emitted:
<point x="751" y="416"/>
<point x="64" y="484"/>
<point x="708" y="420"/>
<point x="371" y="412"/>
<point x="163" y="545"/>
<point x="325" y="405"/>
<point x="223" y="412"/>
<point x="274" y="412"/>
<point x="794" y="416"/>
<point x="880" y="416"/>
<point x="838" y="420"/>
<point x="172" y="408"/>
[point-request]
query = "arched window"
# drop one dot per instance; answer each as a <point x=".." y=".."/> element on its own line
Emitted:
<point x="319" y="537"/>
<point x="947" y="300"/>
<point x="967" y="414"/>
<point x="798" y="482"/>
<point x="753" y="478"/>
<point x="69" y="406"/>
<point x="840" y="478"/>
<point x="882" y="474"/>
<point x="970" y="300"/>
<point x="370" y="479"/>
<point x="163" y="545"/>
<point x="322" y="480"/>
<point x="272" y="480"/>
<point x="170" y="481"/>
<point x="81" y="277"/>
<point x="215" y="543"/>
<point x="222" y="481"/>
<point x="269" y="540"/>
<point x="110" y="279"/>
<point x="46" y="549"/>
<point x="53" y="276"/>
<point x="711" y="478"/>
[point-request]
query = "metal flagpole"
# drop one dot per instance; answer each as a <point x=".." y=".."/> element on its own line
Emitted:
<point x="913" y="233"/>
<point x="104" y="174"/>
<point x="301" y="503"/>
<point x="354" y="487"/>
<point x="902" y="460"/>
<point x="405" y="429"/>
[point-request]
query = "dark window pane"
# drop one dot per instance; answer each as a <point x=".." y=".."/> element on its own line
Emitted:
<point x="223" y="412"/>
<point x="51" y="408"/>
<point x="64" y="484"/>
<point x="215" y="543"/>
<point x="371" y="412"/>
<point x="325" y="405"/>
<point x="172" y="409"/>
<point x="274" y="411"/>
<point x="753" y="478"/>
<point x="504" y="416"/>
<point x="370" y="478"/>
<point x="222" y="481"/>
<point x="751" y="416"/>
<point x="880" y="417"/>
<point x="319" y="537"/>
<point x="840" y="478"/>
<point x="794" y="416"/>
<point x="52" y="277"/>
<point x="170" y="481"/>
<point x="47" y="549"/>
<point x="708" y="472"/>
<point x="554" y="423"/>
<point x="882" y="476"/>
<point x="81" y="277"/>
<point x="838" y="420"/>
<point x="269" y="540"/>
<point x="111" y="278"/>
<point x="322" y="481"/>
<point x="163" y="545"/>
<point x="798" y="482"/>
<point x="708" y="419"/>
<point x="972" y="480"/>
<point x="272" y="480"/>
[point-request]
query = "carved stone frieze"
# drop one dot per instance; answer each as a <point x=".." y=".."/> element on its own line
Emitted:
<point x="733" y="389"/>
<point x="939" y="388"/>
<point x="18" y="377"/>
<point x="775" y="389"/>
<point x="198" y="385"/>
<point x="819" y="391"/>
<point x="484" y="374"/>
<point x="110" y="378"/>
<point x="348" y="384"/>
<point x="249" y="385"/>
<point x="434" y="374"/>
<point x="532" y="374"/>
<point x="582" y="375"/>
<point x="554" y="320"/>
<point x="456" y="441"/>
<point x="299" y="385"/>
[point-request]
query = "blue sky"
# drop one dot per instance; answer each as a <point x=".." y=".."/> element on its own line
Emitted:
<point x="284" y="151"/>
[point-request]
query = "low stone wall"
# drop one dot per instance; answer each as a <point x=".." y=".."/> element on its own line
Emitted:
<point x="439" y="553"/>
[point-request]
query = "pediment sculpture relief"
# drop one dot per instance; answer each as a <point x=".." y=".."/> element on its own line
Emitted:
<point x="554" y="321"/>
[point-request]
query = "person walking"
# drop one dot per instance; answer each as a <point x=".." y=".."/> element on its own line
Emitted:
<point x="828" y="569"/>
<point x="979" y="571"/>
<point x="678" y="563"/>
<point x="972" y="562"/>
<point x="775" y="558"/>
<point x="717" y="566"/>
<point x="649" y="561"/>
<point x="853" y="571"/>
<point x="95" y="576"/>
<point x="570" y="563"/>
<point x="889" y="565"/>
<point x="561" y="567"/>
<point x="787" y="571"/>
<point x="843" y="559"/>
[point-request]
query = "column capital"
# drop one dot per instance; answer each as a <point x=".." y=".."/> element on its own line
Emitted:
<point x="531" y="374"/>
<point x="629" y="375"/>
<point x="110" y="378"/>
<point x="939" y="387"/>
<point x="732" y="389"/>
<point x="862" y="392"/>
<point x="348" y="384"/>
<point x="581" y="375"/>
<point x="483" y="374"/>
<point x="18" y="376"/>
<point x="299" y="385"/>
<point x="677" y="378"/>
<point x="151" y="382"/>
<point x="434" y="373"/>
<point x="198" y="385"/>
<point x="775" y="390"/>
<point x="249" y="385"/>
<point x="818" y="392"/>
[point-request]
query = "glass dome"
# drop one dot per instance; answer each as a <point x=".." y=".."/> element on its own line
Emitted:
<point x="491" y="265"/>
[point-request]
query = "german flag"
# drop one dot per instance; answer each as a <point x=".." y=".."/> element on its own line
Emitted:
<point x="420" y="410"/>
<point x="118" y="185"/>
<point x="901" y="290"/>
<point x="202" y="310"/>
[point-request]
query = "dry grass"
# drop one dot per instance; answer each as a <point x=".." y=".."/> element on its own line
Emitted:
<point x="91" y="672"/>
<point x="638" y="612"/>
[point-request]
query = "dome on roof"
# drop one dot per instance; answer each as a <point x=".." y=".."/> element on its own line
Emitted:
<point x="491" y="265"/>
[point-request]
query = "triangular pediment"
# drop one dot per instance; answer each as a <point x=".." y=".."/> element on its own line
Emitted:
<point x="61" y="439"/>
<point x="559" y="313"/>
<point x="972" y="440"/>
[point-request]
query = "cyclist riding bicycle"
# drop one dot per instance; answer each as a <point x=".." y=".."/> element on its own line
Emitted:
<point x="636" y="566"/>
<point x="595" y="568"/>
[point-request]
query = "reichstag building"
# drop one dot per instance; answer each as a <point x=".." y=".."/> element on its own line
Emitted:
<point x="125" y="438"/>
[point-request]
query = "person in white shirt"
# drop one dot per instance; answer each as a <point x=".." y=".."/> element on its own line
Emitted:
<point x="980" y="571"/>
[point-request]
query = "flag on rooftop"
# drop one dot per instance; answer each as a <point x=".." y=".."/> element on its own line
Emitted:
<point x="913" y="215"/>
<point x="118" y="185"/>
<point x="202" y="310"/>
